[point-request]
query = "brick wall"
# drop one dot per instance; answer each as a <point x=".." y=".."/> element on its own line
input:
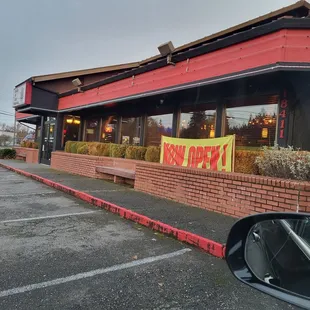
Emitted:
<point x="32" y="155"/>
<point x="233" y="194"/>
<point x="85" y="165"/>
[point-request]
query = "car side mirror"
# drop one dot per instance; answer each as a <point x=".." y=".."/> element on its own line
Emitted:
<point x="271" y="253"/>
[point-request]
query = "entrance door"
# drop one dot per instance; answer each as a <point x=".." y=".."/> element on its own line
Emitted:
<point x="48" y="140"/>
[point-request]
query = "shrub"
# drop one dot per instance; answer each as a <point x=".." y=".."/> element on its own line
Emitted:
<point x="68" y="146"/>
<point x="104" y="149"/>
<point x="7" y="154"/>
<point x="28" y="144"/>
<point x="83" y="149"/>
<point x="131" y="152"/>
<point x="118" y="150"/>
<point x="284" y="163"/>
<point x="153" y="154"/>
<point x="73" y="147"/>
<point x="135" y="152"/>
<point x="92" y="148"/>
<point x="245" y="161"/>
<point x="140" y="153"/>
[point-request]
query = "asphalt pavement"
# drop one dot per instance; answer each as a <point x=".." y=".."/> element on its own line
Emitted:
<point x="60" y="253"/>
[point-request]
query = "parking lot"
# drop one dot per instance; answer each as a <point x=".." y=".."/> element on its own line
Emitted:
<point x="60" y="253"/>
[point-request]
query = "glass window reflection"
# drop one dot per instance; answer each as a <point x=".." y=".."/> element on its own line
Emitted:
<point x="157" y="126"/>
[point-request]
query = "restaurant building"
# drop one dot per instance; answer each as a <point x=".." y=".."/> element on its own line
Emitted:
<point x="251" y="80"/>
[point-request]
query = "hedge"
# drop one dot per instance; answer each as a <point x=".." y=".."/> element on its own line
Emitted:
<point x="244" y="159"/>
<point x="113" y="150"/>
<point x="7" y="154"/>
<point x="30" y="144"/>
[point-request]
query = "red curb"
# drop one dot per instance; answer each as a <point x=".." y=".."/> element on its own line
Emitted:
<point x="214" y="248"/>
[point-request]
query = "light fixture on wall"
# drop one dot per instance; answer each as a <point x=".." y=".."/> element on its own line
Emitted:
<point x="264" y="133"/>
<point x="166" y="50"/>
<point x="212" y="132"/>
<point x="69" y="120"/>
<point x="77" y="83"/>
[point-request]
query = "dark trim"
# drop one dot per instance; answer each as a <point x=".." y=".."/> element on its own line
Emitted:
<point x="293" y="23"/>
<point x="28" y="80"/>
<point x="37" y="109"/>
<point x="58" y="132"/>
<point x="41" y="139"/>
<point x="220" y="107"/>
<point x="47" y="90"/>
<point x="176" y="121"/>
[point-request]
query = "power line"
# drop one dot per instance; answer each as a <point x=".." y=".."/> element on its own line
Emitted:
<point x="7" y="114"/>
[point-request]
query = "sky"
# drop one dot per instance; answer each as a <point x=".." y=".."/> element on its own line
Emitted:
<point x="49" y="36"/>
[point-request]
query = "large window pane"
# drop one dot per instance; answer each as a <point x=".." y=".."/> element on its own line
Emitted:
<point x="254" y="126"/>
<point x="71" y="128"/>
<point x="131" y="128"/>
<point x="157" y="126"/>
<point x="91" y="130"/>
<point x="197" y="123"/>
<point x="109" y="128"/>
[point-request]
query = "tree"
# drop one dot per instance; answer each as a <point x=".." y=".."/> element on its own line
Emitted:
<point x="5" y="140"/>
<point x="199" y="126"/>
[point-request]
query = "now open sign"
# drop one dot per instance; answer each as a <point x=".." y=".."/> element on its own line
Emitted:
<point x="215" y="154"/>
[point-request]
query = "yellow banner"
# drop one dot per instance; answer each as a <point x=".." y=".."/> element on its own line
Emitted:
<point x="215" y="154"/>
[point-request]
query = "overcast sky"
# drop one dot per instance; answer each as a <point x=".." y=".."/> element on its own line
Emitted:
<point x="48" y="36"/>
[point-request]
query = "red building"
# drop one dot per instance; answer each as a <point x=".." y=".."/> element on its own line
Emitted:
<point x="250" y="80"/>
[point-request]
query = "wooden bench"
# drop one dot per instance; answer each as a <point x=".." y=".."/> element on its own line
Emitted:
<point x="21" y="156"/>
<point x="120" y="174"/>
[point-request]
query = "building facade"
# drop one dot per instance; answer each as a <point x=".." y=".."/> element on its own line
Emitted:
<point x="251" y="80"/>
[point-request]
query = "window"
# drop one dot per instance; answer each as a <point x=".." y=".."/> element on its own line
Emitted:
<point x="157" y="126"/>
<point x="253" y="125"/>
<point x="71" y="128"/>
<point x="109" y="129"/>
<point x="91" y="130"/>
<point x="197" y="123"/>
<point x="131" y="129"/>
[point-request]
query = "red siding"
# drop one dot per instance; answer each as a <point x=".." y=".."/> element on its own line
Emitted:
<point x="20" y="115"/>
<point x="284" y="45"/>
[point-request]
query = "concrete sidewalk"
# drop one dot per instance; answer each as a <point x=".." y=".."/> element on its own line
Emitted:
<point x="204" y="223"/>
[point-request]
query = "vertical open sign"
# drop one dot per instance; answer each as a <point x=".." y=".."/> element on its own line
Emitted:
<point x="283" y="120"/>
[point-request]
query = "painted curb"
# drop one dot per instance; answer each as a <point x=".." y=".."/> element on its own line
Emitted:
<point x="214" y="248"/>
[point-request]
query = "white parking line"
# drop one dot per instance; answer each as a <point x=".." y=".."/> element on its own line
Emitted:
<point x="79" y="276"/>
<point x="27" y="194"/>
<point x="46" y="217"/>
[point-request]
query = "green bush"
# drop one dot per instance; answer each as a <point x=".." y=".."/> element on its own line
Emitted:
<point x="83" y="149"/>
<point x="140" y="153"/>
<point x="104" y="149"/>
<point x="245" y="161"/>
<point x="131" y="152"/>
<point x="73" y="148"/>
<point x="135" y="152"/>
<point x="7" y="154"/>
<point x="284" y="163"/>
<point x="92" y="148"/>
<point x="68" y="146"/>
<point x="153" y="154"/>
<point x="30" y="144"/>
<point x="118" y="150"/>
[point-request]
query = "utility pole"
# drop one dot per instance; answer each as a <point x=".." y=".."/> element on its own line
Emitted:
<point x="14" y="138"/>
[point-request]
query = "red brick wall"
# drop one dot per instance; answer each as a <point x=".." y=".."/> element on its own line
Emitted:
<point x="233" y="194"/>
<point x="85" y="165"/>
<point x="32" y="155"/>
